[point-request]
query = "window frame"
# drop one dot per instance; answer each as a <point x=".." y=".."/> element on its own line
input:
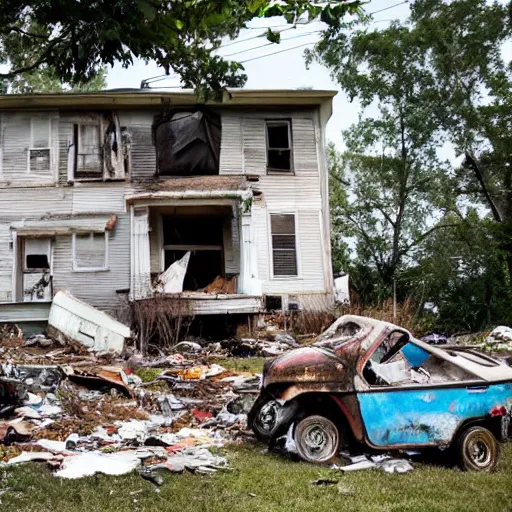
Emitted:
<point x="105" y="266"/>
<point x="47" y="148"/>
<point x="279" y="122"/>
<point x="76" y="143"/>
<point x="298" y="275"/>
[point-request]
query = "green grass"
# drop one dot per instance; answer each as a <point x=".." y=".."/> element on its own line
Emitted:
<point x="241" y="364"/>
<point x="277" y="483"/>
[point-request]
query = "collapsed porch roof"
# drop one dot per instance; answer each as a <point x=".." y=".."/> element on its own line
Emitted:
<point x="199" y="187"/>
<point x="64" y="226"/>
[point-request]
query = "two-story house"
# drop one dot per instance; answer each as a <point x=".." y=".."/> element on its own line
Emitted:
<point x="102" y="192"/>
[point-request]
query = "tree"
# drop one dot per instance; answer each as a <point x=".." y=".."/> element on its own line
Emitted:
<point x="45" y="80"/>
<point x="398" y="187"/>
<point x="472" y="88"/>
<point x="77" y="38"/>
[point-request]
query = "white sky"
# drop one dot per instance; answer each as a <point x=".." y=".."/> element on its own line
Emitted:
<point x="285" y="70"/>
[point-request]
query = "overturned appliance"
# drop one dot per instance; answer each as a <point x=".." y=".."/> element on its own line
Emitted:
<point x="371" y="382"/>
<point x="72" y="320"/>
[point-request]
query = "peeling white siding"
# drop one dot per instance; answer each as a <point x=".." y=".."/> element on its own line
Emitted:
<point x="142" y="151"/>
<point x="15" y="139"/>
<point x="231" y="155"/>
<point x="96" y="288"/>
<point x="34" y="203"/>
<point x="99" y="198"/>
<point x="254" y="146"/>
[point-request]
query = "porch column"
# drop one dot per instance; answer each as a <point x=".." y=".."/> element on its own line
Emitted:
<point x="140" y="278"/>
<point x="249" y="282"/>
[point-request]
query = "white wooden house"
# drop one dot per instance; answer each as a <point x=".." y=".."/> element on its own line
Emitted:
<point x="101" y="192"/>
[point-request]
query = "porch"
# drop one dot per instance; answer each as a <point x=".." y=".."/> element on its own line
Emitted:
<point x="202" y="227"/>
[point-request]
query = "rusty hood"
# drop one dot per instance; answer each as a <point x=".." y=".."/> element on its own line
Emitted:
<point x="307" y="364"/>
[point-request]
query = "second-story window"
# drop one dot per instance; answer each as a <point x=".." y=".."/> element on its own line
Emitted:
<point x="279" y="146"/>
<point x="39" y="150"/>
<point x="88" y="155"/>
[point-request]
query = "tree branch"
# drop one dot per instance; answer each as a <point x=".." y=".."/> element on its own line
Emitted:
<point x="425" y="235"/>
<point x="473" y="164"/>
<point x="24" y="32"/>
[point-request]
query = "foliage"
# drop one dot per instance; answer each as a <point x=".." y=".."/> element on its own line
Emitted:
<point x="397" y="184"/>
<point x="76" y="38"/>
<point x="46" y="81"/>
<point x="444" y="233"/>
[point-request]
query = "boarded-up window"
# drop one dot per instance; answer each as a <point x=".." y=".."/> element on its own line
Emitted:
<point x="279" y="146"/>
<point x="39" y="151"/>
<point x="88" y="157"/>
<point x="284" y="250"/>
<point x="90" y="251"/>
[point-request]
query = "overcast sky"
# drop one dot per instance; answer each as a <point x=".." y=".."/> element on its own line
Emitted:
<point x="285" y="70"/>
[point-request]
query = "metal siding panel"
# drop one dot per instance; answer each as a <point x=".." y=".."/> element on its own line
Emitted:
<point x="65" y="140"/>
<point x="143" y="153"/>
<point x="260" y="234"/>
<point x="24" y="312"/>
<point x="96" y="288"/>
<point x="99" y="198"/>
<point x="15" y="140"/>
<point x="305" y="158"/>
<point x="282" y="193"/>
<point x="231" y="156"/>
<point x="254" y="146"/>
<point x="34" y="203"/>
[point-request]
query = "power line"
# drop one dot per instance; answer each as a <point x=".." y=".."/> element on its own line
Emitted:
<point x="251" y="38"/>
<point x="275" y="53"/>
<point x="268" y="44"/>
<point x="390" y="7"/>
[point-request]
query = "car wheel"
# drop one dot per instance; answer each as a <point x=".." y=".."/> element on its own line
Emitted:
<point x="477" y="449"/>
<point x="266" y="420"/>
<point x="317" y="439"/>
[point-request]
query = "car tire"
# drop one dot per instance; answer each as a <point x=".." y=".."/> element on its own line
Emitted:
<point x="265" y="419"/>
<point x="317" y="439"/>
<point x="477" y="449"/>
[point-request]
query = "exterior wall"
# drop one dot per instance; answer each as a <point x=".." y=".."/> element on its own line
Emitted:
<point x="300" y="193"/>
<point x="32" y="196"/>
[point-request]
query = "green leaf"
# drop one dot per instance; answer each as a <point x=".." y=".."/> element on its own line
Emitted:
<point x="179" y="24"/>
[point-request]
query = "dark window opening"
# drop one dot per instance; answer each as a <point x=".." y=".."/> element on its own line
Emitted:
<point x="284" y="251"/>
<point x="188" y="143"/>
<point x="203" y="237"/>
<point x="273" y="302"/>
<point x="279" y="147"/>
<point x="37" y="261"/>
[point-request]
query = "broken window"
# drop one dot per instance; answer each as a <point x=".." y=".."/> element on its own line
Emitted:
<point x="188" y="143"/>
<point x="90" y="251"/>
<point x="284" y="251"/>
<point x="39" y="151"/>
<point x="36" y="254"/>
<point x="279" y="146"/>
<point x="36" y="265"/>
<point x="88" y="162"/>
<point x="203" y="237"/>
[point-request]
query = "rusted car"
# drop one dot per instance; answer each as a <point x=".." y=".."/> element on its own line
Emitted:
<point x="368" y="382"/>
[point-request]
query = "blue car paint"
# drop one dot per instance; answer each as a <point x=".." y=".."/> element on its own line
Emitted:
<point x="415" y="355"/>
<point x="427" y="416"/>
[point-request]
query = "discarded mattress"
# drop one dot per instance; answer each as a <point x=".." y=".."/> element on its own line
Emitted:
<point x="73" y="320"/>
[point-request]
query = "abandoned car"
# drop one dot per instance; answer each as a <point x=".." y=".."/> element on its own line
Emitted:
<point x="370" y="382"/>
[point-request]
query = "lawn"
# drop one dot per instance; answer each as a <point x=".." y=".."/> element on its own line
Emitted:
<point x="260" y="481"/>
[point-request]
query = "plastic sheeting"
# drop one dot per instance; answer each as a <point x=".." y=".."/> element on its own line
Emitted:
<point x="188" y="144"/>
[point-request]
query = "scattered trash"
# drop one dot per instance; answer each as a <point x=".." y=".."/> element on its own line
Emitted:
<point x="324" y="481"/>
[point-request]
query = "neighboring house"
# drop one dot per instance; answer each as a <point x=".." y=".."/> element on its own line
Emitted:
<point x="101" y="192"/>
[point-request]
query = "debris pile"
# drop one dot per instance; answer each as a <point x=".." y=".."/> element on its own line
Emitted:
<point x="82" y="413"/>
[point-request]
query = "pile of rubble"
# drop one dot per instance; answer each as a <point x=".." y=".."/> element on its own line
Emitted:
<point x="83" y="413"/>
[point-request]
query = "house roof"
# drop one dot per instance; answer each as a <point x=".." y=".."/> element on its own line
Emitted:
<point x="143" y="98"/>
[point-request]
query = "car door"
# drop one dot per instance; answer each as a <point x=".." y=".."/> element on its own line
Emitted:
<point x="405" y="412"/>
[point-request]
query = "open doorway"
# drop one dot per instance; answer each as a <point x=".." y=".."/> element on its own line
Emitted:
<point x="201" y="235"/>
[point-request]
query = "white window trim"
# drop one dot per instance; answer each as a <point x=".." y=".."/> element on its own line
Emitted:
<point x="297" y="247"/>
<point x="31" y="144"/>
<point x="278" y="122"/>
<point x="76" y="147"/>
<point x="104" y="268"/>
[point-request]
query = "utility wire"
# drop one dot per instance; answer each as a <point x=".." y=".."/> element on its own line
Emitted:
<point x="269" y="43"/>
<point x="275" y="53"/>
<point x="390" y="7"/>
